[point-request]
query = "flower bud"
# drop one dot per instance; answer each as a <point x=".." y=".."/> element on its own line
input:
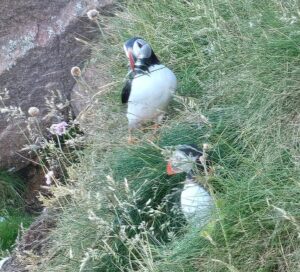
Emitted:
<point x="92" y="14"/>
<point x="76" y="71"/>
<point x="33" y="111"/>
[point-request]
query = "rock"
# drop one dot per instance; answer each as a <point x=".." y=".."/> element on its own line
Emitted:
<point x="94" y="78"/>
<point x="37" y="50"/>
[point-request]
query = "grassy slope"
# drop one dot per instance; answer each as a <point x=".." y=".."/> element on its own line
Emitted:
<point x="240" y="61"/>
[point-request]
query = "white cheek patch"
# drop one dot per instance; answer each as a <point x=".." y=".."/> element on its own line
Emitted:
<point x="136" y="49"/>
<point x="141" y="49"/>
<point x="145" y="52"/>
<point x="181" y="162"/>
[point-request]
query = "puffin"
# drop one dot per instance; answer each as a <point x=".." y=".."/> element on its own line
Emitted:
<point x="196" y="202"/>
<point x="150" y="86"/>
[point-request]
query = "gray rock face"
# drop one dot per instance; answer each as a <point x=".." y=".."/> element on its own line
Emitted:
<point x="81" y="96"/>
<point x="37" y="50"/>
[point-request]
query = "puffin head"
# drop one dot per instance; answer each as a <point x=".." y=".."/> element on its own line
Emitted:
<point x="139" y="53"/>
<point x="184" y="159"/>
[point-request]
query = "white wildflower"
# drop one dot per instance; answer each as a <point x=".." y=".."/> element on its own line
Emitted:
<point x="206" y="147"/>
<point x="49" y="176"/>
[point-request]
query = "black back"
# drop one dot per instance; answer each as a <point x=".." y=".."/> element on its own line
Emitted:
<point x="126" y="91"/>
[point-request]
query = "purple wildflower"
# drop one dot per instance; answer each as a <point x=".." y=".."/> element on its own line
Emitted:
<point x="59" y="129"/>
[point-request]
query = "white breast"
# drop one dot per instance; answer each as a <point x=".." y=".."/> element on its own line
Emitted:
<point x="196" y="204"/>
<point x="150" y="95"/>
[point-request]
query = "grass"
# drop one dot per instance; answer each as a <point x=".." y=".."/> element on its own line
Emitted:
<point x="10" y="190"/>
<point x="9" y="229"/>
<point x="238" y="61"/>
<point x="11" y="210"/>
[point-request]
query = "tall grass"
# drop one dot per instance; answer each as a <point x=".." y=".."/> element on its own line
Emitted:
<point x="10" y="190"/>
<point x="239" y="61"/>
<point x="12" y="212"/>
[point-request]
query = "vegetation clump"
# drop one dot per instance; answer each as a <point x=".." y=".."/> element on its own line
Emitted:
<point x="237" y="64"/>
<point x="12" y="212"/>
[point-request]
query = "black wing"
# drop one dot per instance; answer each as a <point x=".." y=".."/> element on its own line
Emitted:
<point x="126" y="91"/>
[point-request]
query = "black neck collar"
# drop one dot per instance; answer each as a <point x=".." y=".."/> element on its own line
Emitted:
<point x="191" y="175"/>
<point x="142" y="66"/>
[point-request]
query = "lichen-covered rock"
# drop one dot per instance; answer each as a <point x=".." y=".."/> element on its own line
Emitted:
<point x="37" y="50"/>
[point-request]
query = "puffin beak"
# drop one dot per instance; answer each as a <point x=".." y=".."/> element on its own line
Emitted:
<point x="170" y="170"/>
<point x="131" y="60"/>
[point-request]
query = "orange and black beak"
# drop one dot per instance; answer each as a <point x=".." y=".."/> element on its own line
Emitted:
<point x="170" y="170"/>
<point x="131" y="59"/>
<point x="128" y="48"/>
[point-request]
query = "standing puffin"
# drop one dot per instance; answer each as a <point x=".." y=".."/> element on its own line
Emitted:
<point x="150" y="88"/>
<point x="196" y="203"/>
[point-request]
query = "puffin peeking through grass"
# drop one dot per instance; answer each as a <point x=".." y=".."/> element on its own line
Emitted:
<point x="196" y="203"/>
<point x="149" y="89"/>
